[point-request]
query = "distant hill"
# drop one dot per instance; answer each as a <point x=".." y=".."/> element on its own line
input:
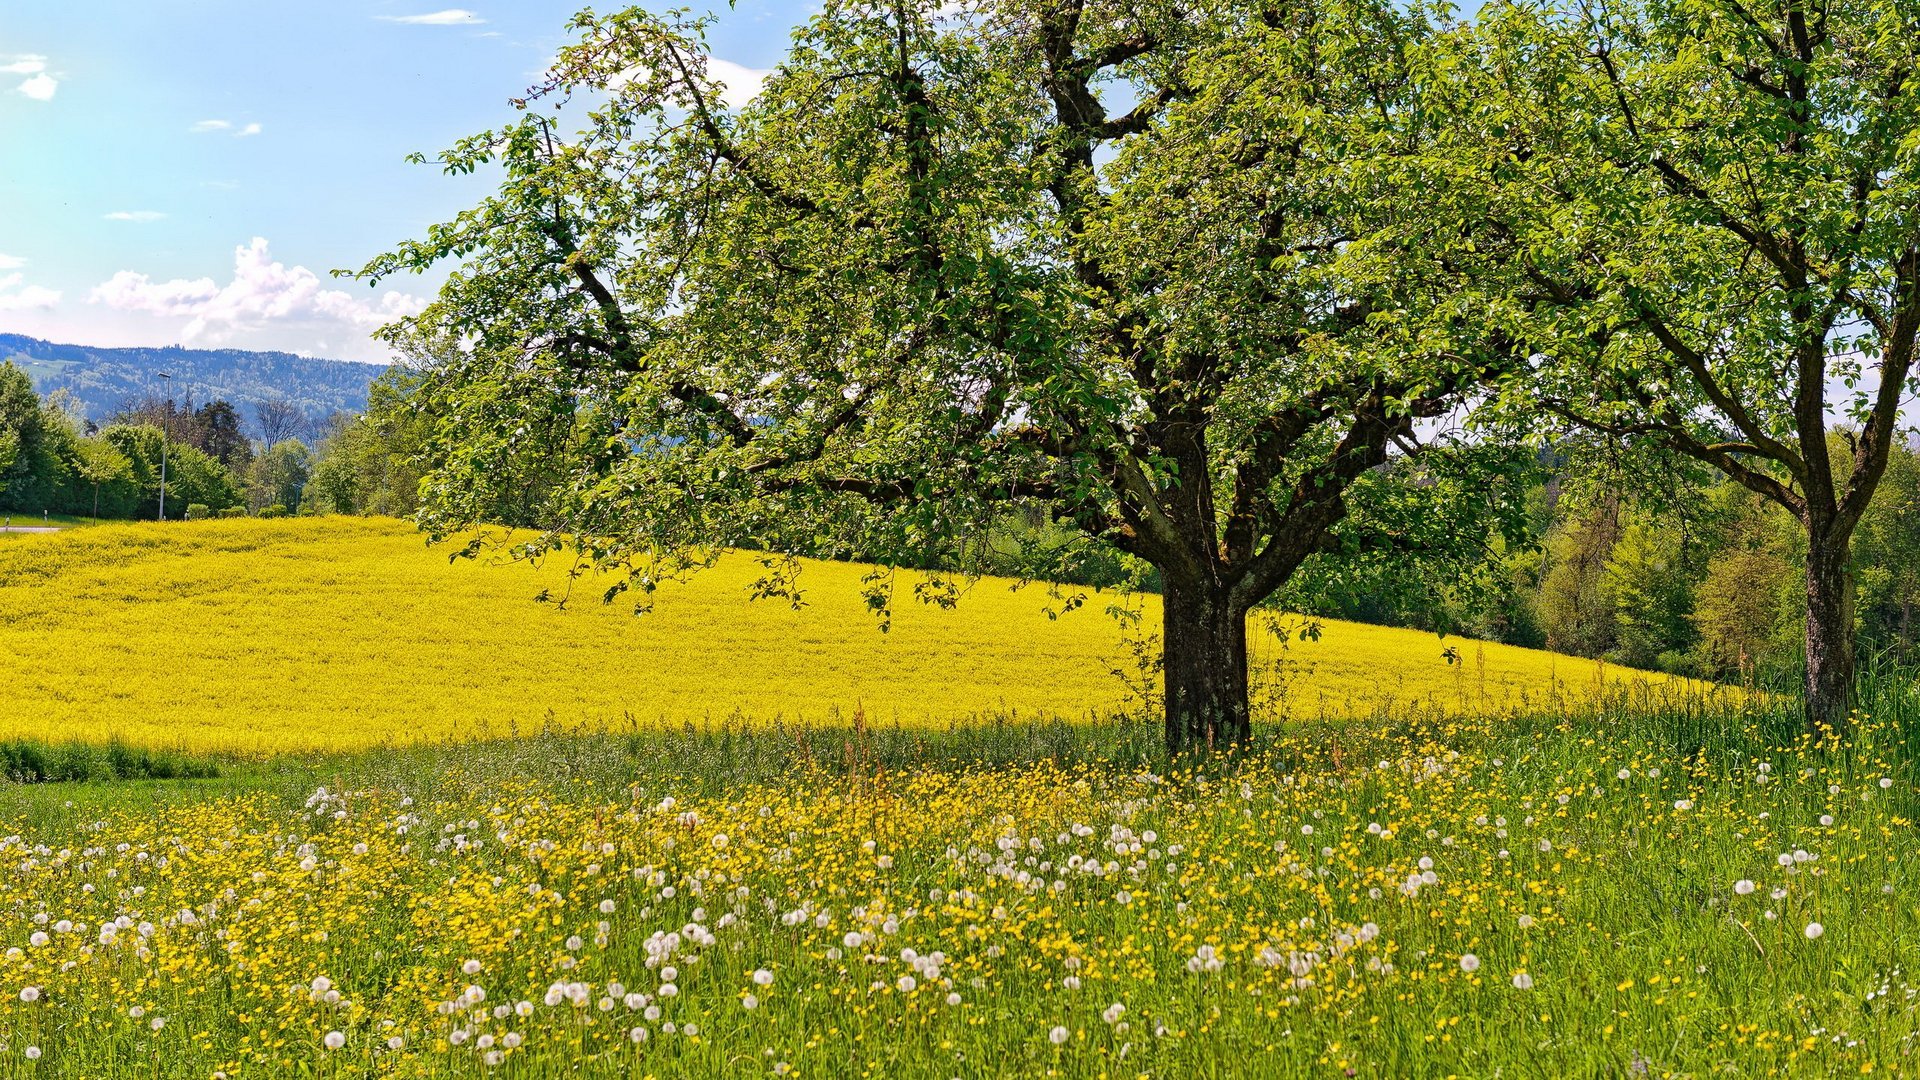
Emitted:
<point x="108" y="380"/>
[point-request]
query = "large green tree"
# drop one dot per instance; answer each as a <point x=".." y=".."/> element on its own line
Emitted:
<point x="369" y="463"/>
<point x="32" y="468"/>
<point x="278" y="475"/>
<point x="192" y="476"/>
<point x="1716" y="205"/>
<point x="1160" y="268"/>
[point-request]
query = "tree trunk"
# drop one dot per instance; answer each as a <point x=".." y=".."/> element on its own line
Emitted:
<point x="1906" y="628"/>
<point x="1205" y="642"/>
<point x="1830" y="660"/>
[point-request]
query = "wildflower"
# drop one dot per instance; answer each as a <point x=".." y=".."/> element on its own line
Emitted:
<point x="1814" y="930"/>
<point x="471" y="967"/>
<point x="334" y="1040"/>
<point x="1205" y="958"/>
<point x="1469" y="963"/>
<point x="1113" y="1013"/>
<point x="953" y="999"/>
<point x="1683" y="804"/>
<point x="33" y="1053"/>
<point x="749" y="1002"/>
<point x="1744" y="887"/>
<point x="30" y="994"/>
<point x="1522" y="981"/>
<point x="1058" y="1035"/>
<point x="763" y="977"/>
<point x="1886" y="782"/>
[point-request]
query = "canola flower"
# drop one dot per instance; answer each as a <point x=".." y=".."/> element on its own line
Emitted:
<point x="324" y="634"/>
<point x="1440" y="899"/>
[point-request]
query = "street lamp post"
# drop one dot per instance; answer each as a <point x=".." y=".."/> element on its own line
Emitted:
<point x="166" y="436"/>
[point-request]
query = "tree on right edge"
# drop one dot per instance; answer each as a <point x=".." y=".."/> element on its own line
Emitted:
<point x="1716" y="209"/>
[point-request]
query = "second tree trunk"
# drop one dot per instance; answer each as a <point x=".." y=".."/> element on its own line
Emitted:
<point x="1830" y="662"/>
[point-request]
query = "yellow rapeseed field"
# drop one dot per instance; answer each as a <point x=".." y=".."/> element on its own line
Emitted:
<point x="342" y="633"/>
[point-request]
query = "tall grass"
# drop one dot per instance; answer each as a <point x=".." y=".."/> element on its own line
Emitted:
<point x="1608" y="898"/>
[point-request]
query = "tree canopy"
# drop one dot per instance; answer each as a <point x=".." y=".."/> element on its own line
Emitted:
<point x="1161" y="269"/>
<point x="1710" y="210"/>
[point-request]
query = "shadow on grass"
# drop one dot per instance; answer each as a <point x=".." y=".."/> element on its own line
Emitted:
<point x="31" y="761"/>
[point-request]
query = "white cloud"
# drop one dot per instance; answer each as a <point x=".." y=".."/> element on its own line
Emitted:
<point x="263" y="293"/>
<point x="742" y="83"/>
<point x="141" y="216"/>
<point x="11" y="262"/>
<point x="24" y="64"/>
<point x="207" y="127"/>
<point x="738" y="84"/>
<point x="40" y="87"/>
<point x="449" y="17"/>
<point x="24" y="299"/>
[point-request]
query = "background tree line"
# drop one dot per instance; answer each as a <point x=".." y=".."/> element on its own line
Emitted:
<point x="54" y="462"/>
<point x="1703" y="578"/>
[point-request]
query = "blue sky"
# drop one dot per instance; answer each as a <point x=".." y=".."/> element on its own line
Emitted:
<point x="189" y="172"/>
